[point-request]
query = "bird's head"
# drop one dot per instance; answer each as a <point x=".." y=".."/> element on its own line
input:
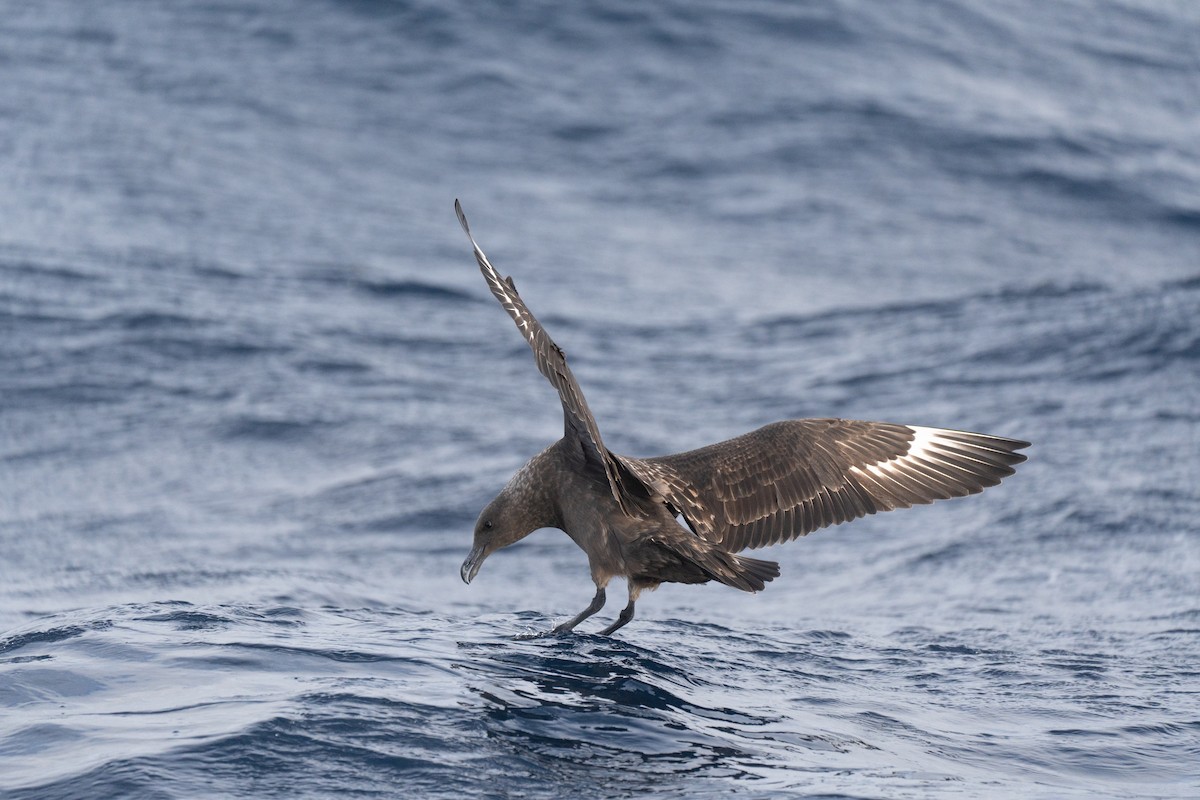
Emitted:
<point x="502" y="522"/>
<point x="523" y="506"/>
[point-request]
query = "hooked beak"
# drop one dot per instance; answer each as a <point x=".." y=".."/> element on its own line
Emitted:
<point x="470" y="567"/>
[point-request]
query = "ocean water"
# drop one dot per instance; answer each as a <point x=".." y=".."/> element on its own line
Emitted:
<point x="253" y="393"/>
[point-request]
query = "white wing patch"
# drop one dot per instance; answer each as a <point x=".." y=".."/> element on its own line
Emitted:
<point x="932" y="450"/>
<point x="919" y="447"/>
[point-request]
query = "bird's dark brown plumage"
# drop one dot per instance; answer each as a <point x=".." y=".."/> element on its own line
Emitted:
<point x="768" y="486"/>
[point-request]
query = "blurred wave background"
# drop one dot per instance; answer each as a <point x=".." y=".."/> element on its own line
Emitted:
<point x="253" y="392"/>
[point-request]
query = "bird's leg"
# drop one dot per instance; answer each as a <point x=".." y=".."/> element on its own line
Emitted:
<point x="622" y="618"/>
<point x="596" y="604"/>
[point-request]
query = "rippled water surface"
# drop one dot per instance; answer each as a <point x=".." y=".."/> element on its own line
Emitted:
<point x="254" y="392"/>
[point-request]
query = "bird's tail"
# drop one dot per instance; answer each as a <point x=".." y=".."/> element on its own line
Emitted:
<point x="747" y="574"/>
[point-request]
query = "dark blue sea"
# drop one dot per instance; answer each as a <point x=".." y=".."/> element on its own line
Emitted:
<point x="254" y="392"/>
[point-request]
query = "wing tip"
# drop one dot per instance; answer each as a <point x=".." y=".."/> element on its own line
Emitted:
<point x="462" y="220"/>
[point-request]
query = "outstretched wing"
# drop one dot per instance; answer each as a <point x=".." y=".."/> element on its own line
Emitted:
<point x="551" y="362"/>
<point x="790" y="478"/>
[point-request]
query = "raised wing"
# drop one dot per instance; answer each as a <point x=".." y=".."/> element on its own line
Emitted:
<point x="551" y="362"/>
<point x="790" y="478"/>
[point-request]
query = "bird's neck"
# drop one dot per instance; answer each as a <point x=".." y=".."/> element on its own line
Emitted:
<point x="531" y="490"/>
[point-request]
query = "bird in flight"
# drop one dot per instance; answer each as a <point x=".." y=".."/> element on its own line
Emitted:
<point x="771" y="485"/>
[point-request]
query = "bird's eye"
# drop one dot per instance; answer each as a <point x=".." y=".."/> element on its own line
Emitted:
<point x="487" y="524"/>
